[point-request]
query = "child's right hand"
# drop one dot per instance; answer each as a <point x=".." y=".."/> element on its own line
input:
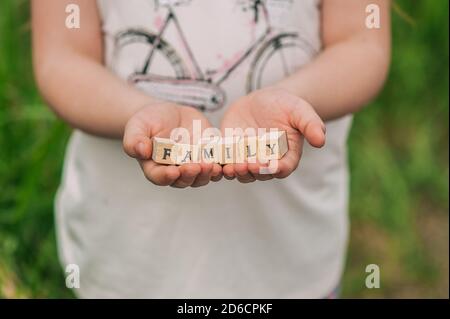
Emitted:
<point x="159" y="120"/>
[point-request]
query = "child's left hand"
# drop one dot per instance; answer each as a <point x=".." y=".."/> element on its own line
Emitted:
<point x="274" y="108"/>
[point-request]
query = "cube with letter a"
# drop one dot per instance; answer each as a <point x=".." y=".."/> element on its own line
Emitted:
<point x="186" y="153"/>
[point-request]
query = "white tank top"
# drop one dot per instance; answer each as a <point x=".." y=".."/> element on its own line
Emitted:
<point x="276" y="239"/>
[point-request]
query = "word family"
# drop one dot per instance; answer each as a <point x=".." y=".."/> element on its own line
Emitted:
<point x="227" y="150"/>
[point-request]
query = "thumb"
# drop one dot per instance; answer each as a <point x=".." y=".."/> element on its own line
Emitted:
<point x="305" y="119"/>
<point x="136" y="140"/>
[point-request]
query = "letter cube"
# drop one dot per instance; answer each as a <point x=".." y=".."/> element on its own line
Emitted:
<point x="186" y="153"/>
<point x="163" y="151"/>
<point x="249" y="147"/>
<point x="209" y="150"/>
<point x="272" y="145"/>
<point x="229" y="150"/>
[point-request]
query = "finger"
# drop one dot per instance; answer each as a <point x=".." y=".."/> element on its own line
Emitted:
<point x="228" y="171"/>
<point x="204" y="177"/>
<point x="314" y="133"/>
<point x="242" y="173"/>
<point x="160" y="175"/>
<point x="216" y="174"/>
<point x="287" y="164"/>
<point x="136" y="140"/>
<point x="255" y="170"/>
<point x="307" y="121"/>
<point x="188" y="174"/>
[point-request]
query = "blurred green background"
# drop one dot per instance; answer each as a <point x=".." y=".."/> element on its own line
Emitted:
<point x="398" y="156"/>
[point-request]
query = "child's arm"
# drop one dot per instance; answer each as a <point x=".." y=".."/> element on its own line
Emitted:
<point x="349" y="71"/>
<point x="70" y="74"/>
<point x="352" y="68"/>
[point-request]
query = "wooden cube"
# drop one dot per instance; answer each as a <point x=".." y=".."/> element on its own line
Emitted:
<point x="186" y="153"/>
<point x="209" y="150"/>
<point x="250" y="148"/>
<point x="163" y="151"/>
<point x="272" y="145"/>
<point x="229" y="150"/>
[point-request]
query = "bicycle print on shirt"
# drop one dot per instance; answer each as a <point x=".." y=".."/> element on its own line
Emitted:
<point x="163" y="73"/>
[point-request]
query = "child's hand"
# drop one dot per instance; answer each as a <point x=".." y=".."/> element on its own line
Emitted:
<point x="274" y="108"/>
<point x="159" y="120"/>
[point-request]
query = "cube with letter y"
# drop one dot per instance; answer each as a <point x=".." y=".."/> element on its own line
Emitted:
<point x="272" y="145"/>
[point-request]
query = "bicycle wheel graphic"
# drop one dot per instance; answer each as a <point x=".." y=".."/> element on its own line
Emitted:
<point x="132" y="49"/>
<point x="153" y="65"/>
<point x="277" y="59"/>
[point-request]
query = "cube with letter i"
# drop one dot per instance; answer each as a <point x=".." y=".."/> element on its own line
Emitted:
<point x="228" y="149"/>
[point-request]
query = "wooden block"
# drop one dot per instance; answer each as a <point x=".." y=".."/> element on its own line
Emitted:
<point x="163" y="151"/>
<point x="185" y="153"/>
<point x="250" y="148"/>
<point x="272" y="145"/>
<point x="228" y="150"/>
<point x="209" y="150"/>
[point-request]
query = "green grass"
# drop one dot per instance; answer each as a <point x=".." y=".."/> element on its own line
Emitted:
<point x="398" y="157"/>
